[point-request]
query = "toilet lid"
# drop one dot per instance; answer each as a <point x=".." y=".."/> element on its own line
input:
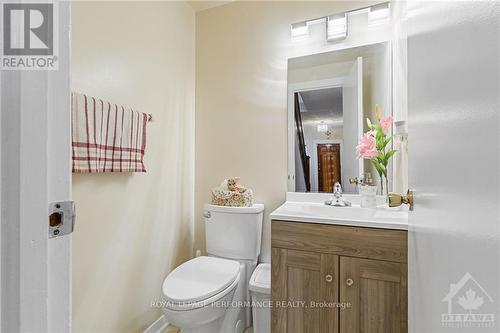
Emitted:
<point x="199" y="279"/>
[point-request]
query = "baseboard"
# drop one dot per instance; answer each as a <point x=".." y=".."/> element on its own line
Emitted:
<point x="158" y="326"/>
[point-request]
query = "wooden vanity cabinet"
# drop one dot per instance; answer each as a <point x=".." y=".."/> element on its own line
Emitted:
<point x="302" y="276"/>
<point x="326" y="265"/>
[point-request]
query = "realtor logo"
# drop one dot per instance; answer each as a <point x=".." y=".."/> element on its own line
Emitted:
<point x="467" y="301"/>
<point x="29" y="36"/>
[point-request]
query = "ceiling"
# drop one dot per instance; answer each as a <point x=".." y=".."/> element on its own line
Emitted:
<point x="321" y="105"/>
<point x="200" y="5"/>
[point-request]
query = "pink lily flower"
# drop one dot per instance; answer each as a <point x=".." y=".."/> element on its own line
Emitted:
<point x="386" y="124"/>
<point x="367" y="147"/>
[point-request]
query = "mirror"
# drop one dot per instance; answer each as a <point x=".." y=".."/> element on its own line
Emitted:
<point x="330" y="95"/>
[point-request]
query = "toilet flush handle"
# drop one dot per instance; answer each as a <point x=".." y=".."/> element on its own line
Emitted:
<point x="207" y="214"/>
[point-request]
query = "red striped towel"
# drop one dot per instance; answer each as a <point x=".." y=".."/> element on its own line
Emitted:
<point x="106" y="137"/>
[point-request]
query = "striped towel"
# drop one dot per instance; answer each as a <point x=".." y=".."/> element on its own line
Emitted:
<point x="106" y="137"/>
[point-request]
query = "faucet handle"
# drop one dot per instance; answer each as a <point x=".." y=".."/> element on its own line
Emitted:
<point x="355" y="181"/>
<point x="337" y="188"/>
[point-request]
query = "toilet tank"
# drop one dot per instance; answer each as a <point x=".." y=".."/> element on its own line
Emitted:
<point x="233" y="232"/>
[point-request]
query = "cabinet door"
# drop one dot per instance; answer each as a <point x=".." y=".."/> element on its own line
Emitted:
<point x="300" y="280"/>
<point x="377" y="291"/>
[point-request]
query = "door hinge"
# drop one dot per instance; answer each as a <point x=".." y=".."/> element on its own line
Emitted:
<point x="61" y="218"/>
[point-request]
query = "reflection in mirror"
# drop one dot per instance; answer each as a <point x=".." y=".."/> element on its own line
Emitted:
<point x="330" y="95"/>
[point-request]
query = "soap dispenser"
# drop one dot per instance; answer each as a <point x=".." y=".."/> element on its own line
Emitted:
<point x="368" y="192"/>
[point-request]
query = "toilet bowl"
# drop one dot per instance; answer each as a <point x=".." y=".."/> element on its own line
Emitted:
<point x="208" y="294"/>
<point x="198" y="292"/>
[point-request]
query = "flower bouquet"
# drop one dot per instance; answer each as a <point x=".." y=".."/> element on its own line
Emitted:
<point x="373" y="145"/>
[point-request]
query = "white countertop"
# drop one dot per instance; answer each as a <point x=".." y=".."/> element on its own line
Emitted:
<point x="310" y="208"/>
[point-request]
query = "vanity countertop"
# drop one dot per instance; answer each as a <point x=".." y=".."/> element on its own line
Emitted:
<point x="310" y="208"/>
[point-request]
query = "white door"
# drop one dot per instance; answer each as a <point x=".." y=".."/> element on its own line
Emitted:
<point x="36" y="170"/>
<point x="454" y="166"/>
<point x="352" y="114"/>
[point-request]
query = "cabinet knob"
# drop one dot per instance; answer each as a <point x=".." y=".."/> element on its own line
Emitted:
<point x="329" y="278"/>
<point x="349" y="282"/>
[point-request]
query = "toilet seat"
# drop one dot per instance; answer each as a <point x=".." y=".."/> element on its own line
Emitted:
<point x="199" y="282"/>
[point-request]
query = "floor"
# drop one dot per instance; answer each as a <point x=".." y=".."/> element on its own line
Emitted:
<point x="173" y="329"/>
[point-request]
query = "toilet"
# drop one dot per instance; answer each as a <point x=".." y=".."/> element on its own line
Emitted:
<point x="209" y="294"/>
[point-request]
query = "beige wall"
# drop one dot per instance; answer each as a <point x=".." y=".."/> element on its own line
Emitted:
<point x="241" y="90"/>
<point x="132" y="229"/>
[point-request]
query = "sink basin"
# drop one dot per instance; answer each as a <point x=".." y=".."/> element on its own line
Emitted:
<point x="310" y="208"/>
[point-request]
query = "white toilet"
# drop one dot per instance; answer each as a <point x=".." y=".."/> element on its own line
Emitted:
<point x="207" y="294"/>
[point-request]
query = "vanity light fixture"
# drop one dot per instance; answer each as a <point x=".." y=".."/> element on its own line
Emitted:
<point x="300" y="31"/>
<point x="336" y="27"/>
<point x="337" y="24"/>
<point x="379" y="14"/>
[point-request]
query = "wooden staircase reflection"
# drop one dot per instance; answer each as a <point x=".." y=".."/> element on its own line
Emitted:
<point x="302" y="146"/>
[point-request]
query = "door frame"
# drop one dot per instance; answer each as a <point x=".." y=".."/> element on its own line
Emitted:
<point x="314" y="158"/>
<point x="296" y="88"/>
<point x="35" y="166"/>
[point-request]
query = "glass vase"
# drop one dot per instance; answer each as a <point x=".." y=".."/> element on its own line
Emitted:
<point x="384" y="186"/>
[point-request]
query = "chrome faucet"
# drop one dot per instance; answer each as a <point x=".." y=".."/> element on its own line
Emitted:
<point x="337" y="200"/>
<point x="337" y="190"/>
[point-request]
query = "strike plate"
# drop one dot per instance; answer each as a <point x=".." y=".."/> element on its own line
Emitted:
<point x="61" y="218"/>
